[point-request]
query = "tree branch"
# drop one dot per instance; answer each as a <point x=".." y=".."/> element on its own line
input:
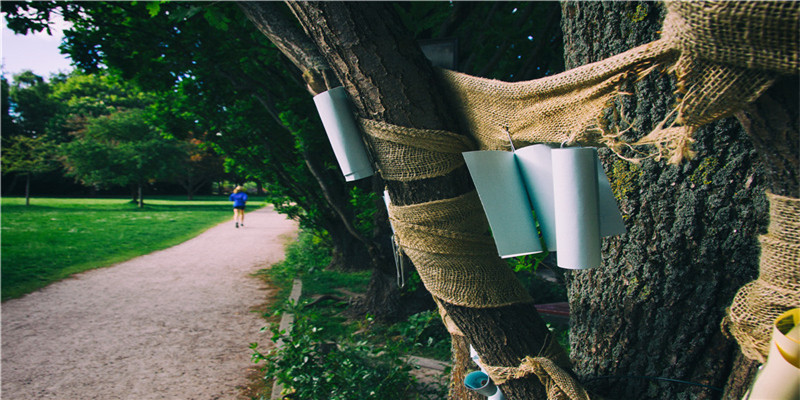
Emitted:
<point x="270" y="19"/>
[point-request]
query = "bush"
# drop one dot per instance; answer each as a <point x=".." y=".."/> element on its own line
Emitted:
<point x="349" y="368"/>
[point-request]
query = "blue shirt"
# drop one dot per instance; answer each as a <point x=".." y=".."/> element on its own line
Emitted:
<point x="239" y="199"/>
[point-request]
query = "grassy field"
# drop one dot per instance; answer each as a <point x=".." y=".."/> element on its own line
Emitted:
<point x="57" y="237"/>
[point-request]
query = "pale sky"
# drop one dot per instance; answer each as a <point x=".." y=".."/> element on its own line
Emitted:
<point x="37" y="52"/>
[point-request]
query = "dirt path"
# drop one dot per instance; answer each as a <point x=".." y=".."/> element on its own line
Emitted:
<point x="174" y="324"/>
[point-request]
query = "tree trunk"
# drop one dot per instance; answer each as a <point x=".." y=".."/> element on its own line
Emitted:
<point x="389" y="80"/>
<point x="139" y="195"/>
<point x="653" y="310"/>
<point x="27" y="189"/>
<point x="384" y="299"/>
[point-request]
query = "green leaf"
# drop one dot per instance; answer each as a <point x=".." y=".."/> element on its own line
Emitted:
<point x="153" y="7"/>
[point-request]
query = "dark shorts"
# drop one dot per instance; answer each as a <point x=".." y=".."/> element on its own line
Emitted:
<point x="239" y="207"/>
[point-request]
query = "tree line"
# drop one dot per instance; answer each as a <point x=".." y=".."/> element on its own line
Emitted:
<point x="100" y="130"/>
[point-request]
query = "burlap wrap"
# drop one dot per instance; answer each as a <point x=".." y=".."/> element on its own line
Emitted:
<point x="777" y="288"/>
<point x="724" y="55"/>
<point x="558" y="383"/>
<point x="555" y="109"/>
<point x="449" y="243"/>
<point x="412" y="154"/>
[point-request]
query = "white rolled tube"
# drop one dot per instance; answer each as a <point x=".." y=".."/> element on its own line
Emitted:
<point x="337" y="118"/>
<point x="779" y="378"/>
<point x="575" y="196"/>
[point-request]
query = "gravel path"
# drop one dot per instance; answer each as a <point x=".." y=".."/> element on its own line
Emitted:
<point x="174" y="324"/>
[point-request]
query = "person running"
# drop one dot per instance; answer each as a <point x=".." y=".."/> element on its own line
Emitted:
<point x="239" y="199"/>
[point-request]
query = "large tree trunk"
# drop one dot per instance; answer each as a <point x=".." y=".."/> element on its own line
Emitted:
<point x="389" y="80"/>
<point x="383" y="299"/>
<point x="654" y="308"/>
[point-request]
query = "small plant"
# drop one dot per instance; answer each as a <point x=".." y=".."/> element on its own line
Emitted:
<point x="312" y="366"/>
<point x="424" y="334"/>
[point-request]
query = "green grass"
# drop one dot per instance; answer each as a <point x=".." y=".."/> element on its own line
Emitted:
<point x="54" y="238"/>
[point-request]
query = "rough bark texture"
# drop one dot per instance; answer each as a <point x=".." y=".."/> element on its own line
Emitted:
<point x="654" y="308"/>
<point x="389" y="80"/>
<point x="772" y="124"/>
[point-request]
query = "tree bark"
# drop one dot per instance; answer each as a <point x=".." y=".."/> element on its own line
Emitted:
<point x="139" y="191"/>
<point x="389" y="80"/>
<point x="27" y="189"/>
<point x="653" y="309"/>
<point x="772" y="125"/>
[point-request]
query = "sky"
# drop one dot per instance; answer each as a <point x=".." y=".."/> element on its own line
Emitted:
<point x="37" y="52"/>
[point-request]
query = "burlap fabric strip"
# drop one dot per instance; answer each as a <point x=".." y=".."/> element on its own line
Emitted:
<point x="730" y="54"/>
<point x="556" y="109"/>
<point x="548" y="367"/>
<point x="724" y="55"/>
<point x="411" y="154"/>
<point x="449" y="243"/>
<point x="777" y="288"/>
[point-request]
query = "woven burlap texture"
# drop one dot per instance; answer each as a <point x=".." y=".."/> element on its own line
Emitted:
<point x="558" y="383"/>
<point x="723" y="54"/>
<point x="449" y="243"/>
<point x="413" y="154"/>
<point x="777" y="289"/>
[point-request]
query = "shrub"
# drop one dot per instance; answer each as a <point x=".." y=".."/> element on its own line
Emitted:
<point x="350" y="368"/>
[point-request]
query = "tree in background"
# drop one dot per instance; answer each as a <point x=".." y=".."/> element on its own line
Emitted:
<point x="198" y="164"/>
<point x="28" y="156"/>
<point x="9" y="127"/>
<point x="27" y="110"/>
<point x="120" y="149"/>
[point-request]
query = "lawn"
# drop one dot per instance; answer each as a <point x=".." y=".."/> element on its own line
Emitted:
<point x="54" y="238"/>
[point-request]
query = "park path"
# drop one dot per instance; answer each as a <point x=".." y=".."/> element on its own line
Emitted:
<point x="174" y="324"/>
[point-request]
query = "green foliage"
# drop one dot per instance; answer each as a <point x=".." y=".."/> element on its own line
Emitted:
<point x="423" y="334"/>
<point x="119" y="149"/>
<point x="363" y="203"/>
<point x="529" y="263"/>
<point x="311" y="366"/>
<point x="328" y="356"/>
<point x="542" y="290"/>
<point x="54" y="238"/>
<point x="303" y="256"/>
<point x="511" y="41"/>
<point x="28" y="155"/>
<point x="31" y="103"/>
<point x="561" y="334"/>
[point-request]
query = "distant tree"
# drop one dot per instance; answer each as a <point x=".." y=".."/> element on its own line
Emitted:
<point x="120" y="149"/>
<point x="31" y="105"/>
<point x="197" y="165"/>
<point x="79" y="97"/>
<point x="9" y="127"/>
<point x="27" y="156"/>
<point x="27" y="109"/>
